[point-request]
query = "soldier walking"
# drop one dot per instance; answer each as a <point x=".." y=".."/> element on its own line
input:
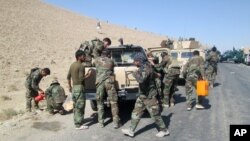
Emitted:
<point x="147" y="97"/>
<point x="211" y="69"/>
<point x="192" y="72"/>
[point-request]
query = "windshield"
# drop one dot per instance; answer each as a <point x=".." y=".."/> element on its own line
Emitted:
<point x="174" y="55"/>
<point x="124" y="55"/>
<point x="186" y="54"/>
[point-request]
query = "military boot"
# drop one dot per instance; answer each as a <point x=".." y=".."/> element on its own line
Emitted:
<point x="128" y="132"/>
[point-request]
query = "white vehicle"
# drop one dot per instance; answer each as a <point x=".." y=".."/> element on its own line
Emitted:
<point x="247" y="59"/>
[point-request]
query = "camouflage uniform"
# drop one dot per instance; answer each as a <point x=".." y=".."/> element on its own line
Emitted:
<point x="55" y="97"/>
<point x="92" y="49"/>
<point x="170" y="74"/>
<point x="211" y="68"/>
<point x="193" y="71"/>
<point x="32" y="87"/>
<point x="147" y="96"/>
<point x="76" y="72"/>
<point x="105" y="84"/>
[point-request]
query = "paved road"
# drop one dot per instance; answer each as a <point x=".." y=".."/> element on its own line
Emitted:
<point x="228" y="103"/>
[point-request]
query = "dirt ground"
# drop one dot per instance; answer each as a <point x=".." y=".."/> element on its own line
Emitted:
<point x="35" y="34"/>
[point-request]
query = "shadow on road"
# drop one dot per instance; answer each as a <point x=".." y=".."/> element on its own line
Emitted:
<point x="216" y="84"/>
<point x="166" y="120"/>
<point x="179" y="98"/>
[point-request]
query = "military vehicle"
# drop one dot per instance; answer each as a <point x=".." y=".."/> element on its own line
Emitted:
<point x="179" y="56"/>
<point x="126" y="85"/>
<point x="183" y="55"/>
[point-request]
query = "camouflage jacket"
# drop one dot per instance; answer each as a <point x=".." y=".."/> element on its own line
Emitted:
<point x="33" y="80"/>
<point x="194" y="66"/>
<point x="166" y="61"/>
<point x="104" y="68"/>
<point x="145" y="76"/>
<point x="56" y="93"/>
<point x="92" y="49"/>
<point x="212" y="58"/>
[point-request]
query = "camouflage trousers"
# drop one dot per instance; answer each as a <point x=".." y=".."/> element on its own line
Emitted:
<point x="107" y="87"/>
<point x="211" y="73"/>
<point x="190" y="87"/>
<point x="52" y="105"/>
<point x="78" y="97"/>
<point x="31" y="94"/>
<point x="159" y="86"/>
<point x="169" y="89"/>
<point x="153" y="109"/>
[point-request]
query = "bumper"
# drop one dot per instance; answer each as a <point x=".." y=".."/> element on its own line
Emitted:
<point x="126" y="94"/>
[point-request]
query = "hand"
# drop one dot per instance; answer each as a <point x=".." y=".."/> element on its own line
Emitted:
<point x="158" y="75"/>
<point x="41" y="92"/>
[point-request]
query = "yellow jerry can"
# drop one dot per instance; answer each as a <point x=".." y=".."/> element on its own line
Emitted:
<point x="202" y="88"/>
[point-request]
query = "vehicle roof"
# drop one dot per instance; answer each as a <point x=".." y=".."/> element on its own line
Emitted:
<point x="124" y="46"/>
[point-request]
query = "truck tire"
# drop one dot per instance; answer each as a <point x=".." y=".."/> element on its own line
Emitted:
<point x="93" y="105"/>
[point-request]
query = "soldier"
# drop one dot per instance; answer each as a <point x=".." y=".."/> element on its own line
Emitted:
<point x="76" y="73"/>
<point x="147" y="97"/>
<point x="106" y="42"/>
<point x="192" y="72"/>
<point x="170" y="74"/>
<point x="158" y="70"/>
<point x="32" y="86"/>
<point x="211" y="68"/>
<point x="92" y="50"/>
<point x="55" y="97"/>
<point x="105" y="83"/>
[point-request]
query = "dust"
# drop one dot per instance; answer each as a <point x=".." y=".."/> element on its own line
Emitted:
<point x="49" y="126"/>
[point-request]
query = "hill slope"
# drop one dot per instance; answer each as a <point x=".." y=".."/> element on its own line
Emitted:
<point x="33" y="33"/>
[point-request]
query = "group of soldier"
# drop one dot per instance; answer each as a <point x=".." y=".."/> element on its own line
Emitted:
<point x="157" y="84"/>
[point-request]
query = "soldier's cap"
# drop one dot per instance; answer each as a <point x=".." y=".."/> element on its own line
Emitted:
<point x="55" y="82"/>
<point x="140" y="57"/>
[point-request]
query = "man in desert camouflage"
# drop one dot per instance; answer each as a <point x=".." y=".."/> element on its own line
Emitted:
<point x="76" y="73"/>
<point x="32" y="86"/>
<point x="55" y="97"/>
<point x="192" y="72"/>
<point x="105" y="84"/>
<point x="211" y="68"/>
<point x="147" y="99"/>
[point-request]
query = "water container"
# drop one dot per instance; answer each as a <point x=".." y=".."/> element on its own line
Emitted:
<point x="202" y="88"/>
<point x="39" y="97"/>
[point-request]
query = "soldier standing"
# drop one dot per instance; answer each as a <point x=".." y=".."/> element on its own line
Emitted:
<point x="211" y="69"/>
<point x="55" y="97"/>
<point x="192" y="72"/>
<point x="147" y="97"/>
<point x="169" y="75"/>
<point x="105" y="83"/>
<point x="32" y="86"/>
<point x="76" y="73"/>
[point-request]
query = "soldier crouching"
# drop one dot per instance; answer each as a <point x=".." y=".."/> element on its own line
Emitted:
<point x="55" y="97"/>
